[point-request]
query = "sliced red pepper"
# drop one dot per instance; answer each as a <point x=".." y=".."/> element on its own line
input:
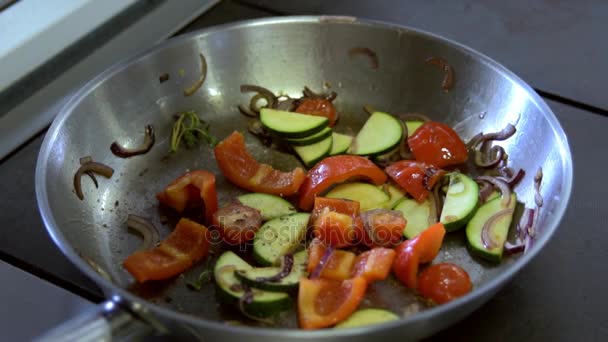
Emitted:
<point x="323" y="303"/>
<point x="416" y="178"/>
<point x="421" y="249"/>
<point x="334" y="228"/>
<point x="338" y="266"/>
<point x="444" y="282"/>
<point x="437" y="144"/>
<point x="240" y="168"/>
<point x="334" y="170"/>
<point x="318" y="107"/>
<point x="185" y="246"/>
<point x="190" y="189"/>
<point x="374" y="264"/>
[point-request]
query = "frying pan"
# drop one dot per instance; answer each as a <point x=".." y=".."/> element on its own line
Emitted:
<point x="282" y="54"/>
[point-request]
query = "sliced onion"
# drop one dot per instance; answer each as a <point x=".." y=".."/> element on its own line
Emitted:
<point x="512" y="180"/>
<point x="486" y="237"/>
<point x="263" y="92"/>
<point x="86" y="168"/>
<point x="448" y="72"/>
<point x="413" y="117"/>
<point x="485" y="191"/>
<point x="311" y="94"/>
<point x="145" y="229"/>
<point x="95" y="266"/>
<point x="369" y="109"/>
<point x="247" y="298"/>
<point x="316" y="273"/>
<point x="433" y="210"/>
<point x="246" y="111"/>
<point x="123" y="152"/>
<point x="193" y="88"/>
<point x="256" y="128"/>
<point x="373" y="57"/>
<point x="438" y="199"/>
<point x="286" y="267"/>
<point x="514" y="248"/>
<point x="501" y="185"/>
<point x="526" y="221"/>
<point x="538" y="178"/>
<point x="285" y="103"/>
<point x="490" y="159"/>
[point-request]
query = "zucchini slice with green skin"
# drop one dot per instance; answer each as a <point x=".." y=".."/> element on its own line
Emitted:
<point x="278" y="237"/>
<point x="289" y="283"/>
<point x="341" y="143"/>
<point x="460" y="203"/>
<point x="369" y="196"/>
<point x="412" y="126"/>
<point x="498" y="231"/>
<point x="291" y="125"/>
<point x="395" y="194"/>
<point x="230" y="289"/>
<point x="270" y="206"/>
<point x="418" y="216"/>
<point x="311" y="139"/>
<point x="311" y="154"/>
<point x="381" y="133"/>
<point x="365" y="317"/>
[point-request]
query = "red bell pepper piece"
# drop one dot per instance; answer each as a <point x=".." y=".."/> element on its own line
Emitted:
<point x="190" y="189"/>
<point x="374" y="264"/>
<point x="334" y="170"/>
<point x="323" y="302"/>
<point x="185" y="246"/>
<point x="337" y="267"/>
<point x="318" y="107"/>
<point x="421" y="249"/>
<point x="336" y="221"/>
<point x="240" y="168"/>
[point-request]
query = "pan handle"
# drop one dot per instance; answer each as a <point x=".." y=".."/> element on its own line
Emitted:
<point x="106" y="322"/>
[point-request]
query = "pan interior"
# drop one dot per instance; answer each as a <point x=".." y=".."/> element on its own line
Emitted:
<point x="284" y="57"/>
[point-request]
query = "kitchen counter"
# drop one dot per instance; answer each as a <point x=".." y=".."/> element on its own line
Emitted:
<point x="559" y="296"/>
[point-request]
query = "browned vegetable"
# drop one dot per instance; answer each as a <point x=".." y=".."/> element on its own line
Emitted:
<point x="123" y="152"/>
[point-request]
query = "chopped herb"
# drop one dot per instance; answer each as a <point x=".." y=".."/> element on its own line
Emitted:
<point x="203" y="278"/>
<point x="190" y="129"/>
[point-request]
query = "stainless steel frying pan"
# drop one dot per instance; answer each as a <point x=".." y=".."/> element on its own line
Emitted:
<point x="284" y="55"/>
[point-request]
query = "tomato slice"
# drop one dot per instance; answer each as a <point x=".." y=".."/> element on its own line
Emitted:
<point x="383" y="228"/>
<point x="335" y="229"/>
<point x="190" y="189"/>
<point x="323" y="303"/>
<point x="334" y="170"/>
<point x="338" y="266"/>
<point x="240" y="168"/>
<point x="318" y="107"/>
<point x="444" y="282"/>
<point x="237" y="223"/>
<point x="421" y="249"/>
<point x="374" y="264"/>
<point x="416" y="178"/>
<point x="437" y="144"/>
<point x="185" y="246"/>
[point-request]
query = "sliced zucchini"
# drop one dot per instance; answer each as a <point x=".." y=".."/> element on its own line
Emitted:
<point x="311" y="139"/>
<point x="460" y="202"/>
<point x="229" y="288"/>
<point x="369" y="196"/>
<point x="365" y="317"/>
<point x="381" y="133"/>
<point x="395" y="194"/>
<point x="252" y="276"/>
<point x="291" y="125"/>
<point x="270" y="206"/>
<point x="418" y="216"/>
<point x="497" y="233"/>
<point x="412" y="126"/>
<point x="341" y="143"/>
<point x="311" y="154"/>
<point x="278" y="237"/>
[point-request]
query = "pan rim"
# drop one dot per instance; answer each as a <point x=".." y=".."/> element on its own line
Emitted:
<point x="488" y="288"/>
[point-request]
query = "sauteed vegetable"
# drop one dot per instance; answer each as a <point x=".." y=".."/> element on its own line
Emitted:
<point x="369" y="208"/>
